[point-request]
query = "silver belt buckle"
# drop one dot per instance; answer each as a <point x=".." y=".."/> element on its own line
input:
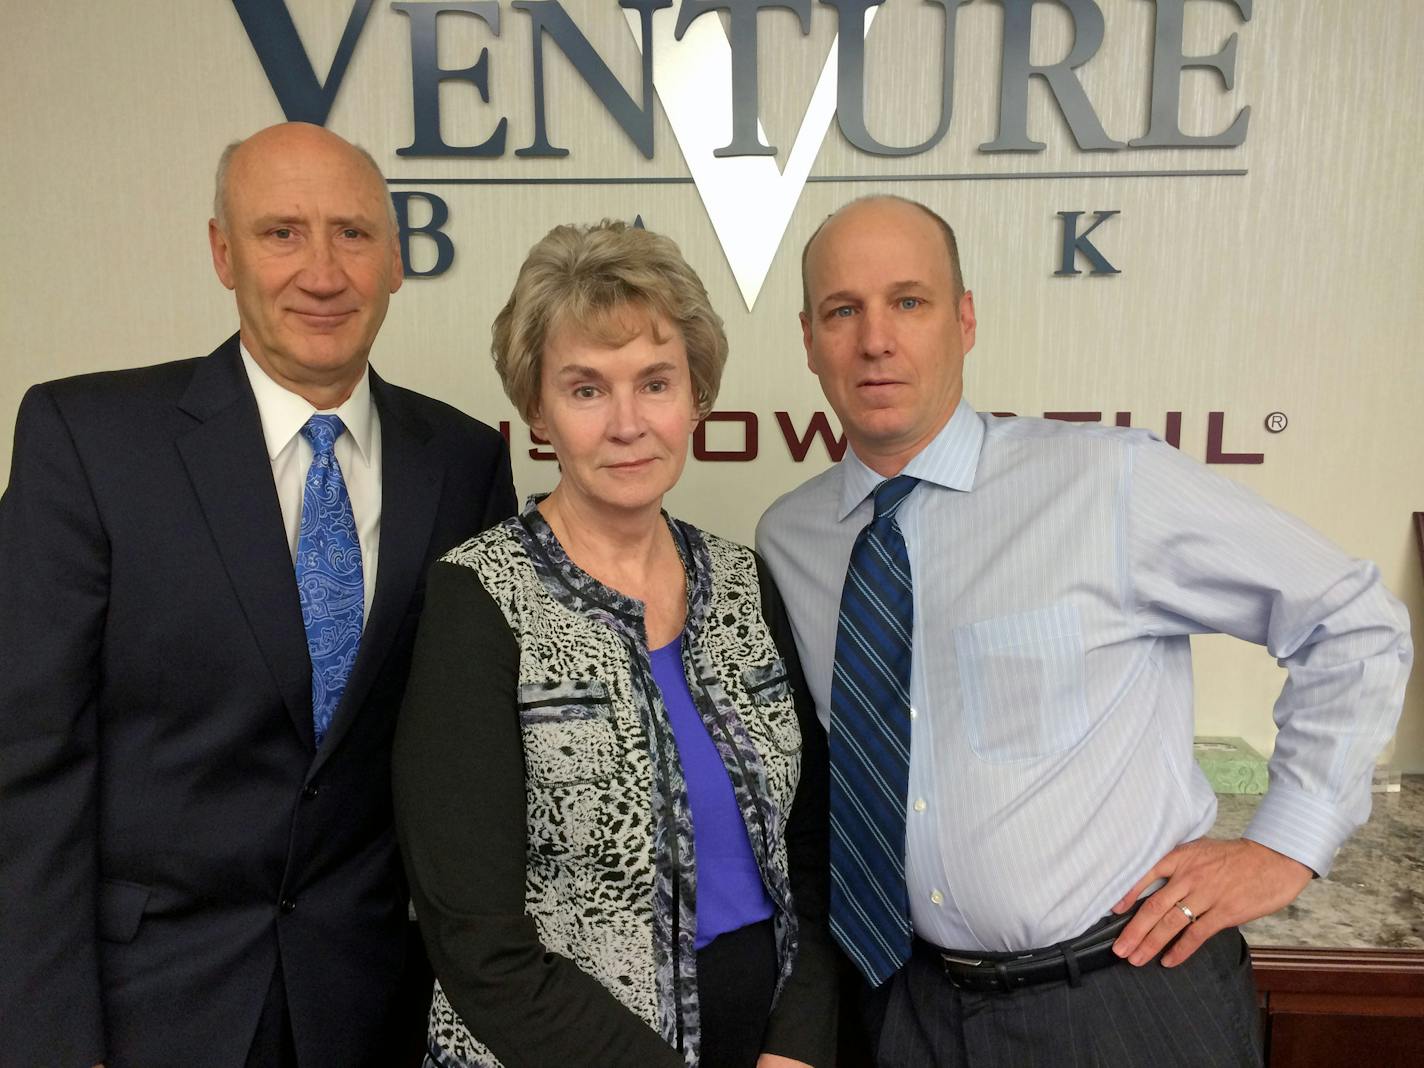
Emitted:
<point x="949" y="958"/>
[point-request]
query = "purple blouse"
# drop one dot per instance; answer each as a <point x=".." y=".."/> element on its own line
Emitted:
<point x="730" y="893"/>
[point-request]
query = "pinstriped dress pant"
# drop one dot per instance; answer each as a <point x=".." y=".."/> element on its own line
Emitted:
<point x="1200" y="1014"/>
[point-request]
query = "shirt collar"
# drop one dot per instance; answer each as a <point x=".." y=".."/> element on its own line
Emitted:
<point x="949" y="460"/>
<point x="284" y="413"/>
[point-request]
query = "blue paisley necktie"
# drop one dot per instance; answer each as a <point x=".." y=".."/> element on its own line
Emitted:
<point x="870" y="744"/>
<point x="329" y="577"/>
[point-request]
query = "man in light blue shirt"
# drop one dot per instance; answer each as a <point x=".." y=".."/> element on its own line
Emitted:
<point x="1058" y="572"/>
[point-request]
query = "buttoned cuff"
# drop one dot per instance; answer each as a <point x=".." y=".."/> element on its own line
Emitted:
<point x="1300" y="826"/>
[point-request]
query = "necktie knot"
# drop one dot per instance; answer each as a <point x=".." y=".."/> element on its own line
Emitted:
<point x="321" y="432"/>
<point x="891" y="493"/>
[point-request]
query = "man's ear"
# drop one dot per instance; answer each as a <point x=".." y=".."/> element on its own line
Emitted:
<point x="967" y="322"/>
<point x="397" y="266"/>
<point x="222" y="254"/>
<point x="806" y="339"/>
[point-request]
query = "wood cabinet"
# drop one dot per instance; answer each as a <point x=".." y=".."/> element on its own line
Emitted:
<point x="1324" y="1008"/>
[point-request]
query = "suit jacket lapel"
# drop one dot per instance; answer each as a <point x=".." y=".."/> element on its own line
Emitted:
<point x="231" y="474"/>
<point x="411" y="477"/>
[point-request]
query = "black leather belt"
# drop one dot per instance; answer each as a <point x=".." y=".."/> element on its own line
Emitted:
<point x="1006" y="972"/>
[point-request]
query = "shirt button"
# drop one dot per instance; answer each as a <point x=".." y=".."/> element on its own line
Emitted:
<point x="936" y="897"/>
<point x="914" y="712"/>
<point x="287" y="906"/>
<point x="309" y="792"/>
<point x="919" y="804"/>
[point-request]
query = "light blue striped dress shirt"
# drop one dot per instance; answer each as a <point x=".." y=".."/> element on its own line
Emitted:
<point x="1059" y="571"/>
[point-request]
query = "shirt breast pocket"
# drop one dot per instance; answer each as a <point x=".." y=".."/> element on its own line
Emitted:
<point x="1021" y="683"/>
<point x="568" y="731"/>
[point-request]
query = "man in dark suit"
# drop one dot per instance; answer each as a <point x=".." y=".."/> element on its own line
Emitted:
<point x="210" y="576"/>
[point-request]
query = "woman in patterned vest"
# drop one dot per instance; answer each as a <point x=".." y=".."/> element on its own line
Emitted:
<point x="610" y="784"/>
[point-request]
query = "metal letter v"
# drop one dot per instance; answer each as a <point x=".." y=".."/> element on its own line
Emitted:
<point x="275" y="39"/>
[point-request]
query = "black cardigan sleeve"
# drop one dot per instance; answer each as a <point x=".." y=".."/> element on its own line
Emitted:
<point x="803" y="1026"/>
<point x="458" y="776"/>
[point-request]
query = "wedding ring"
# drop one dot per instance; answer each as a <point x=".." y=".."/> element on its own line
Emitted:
<point x="1188" y="913"/>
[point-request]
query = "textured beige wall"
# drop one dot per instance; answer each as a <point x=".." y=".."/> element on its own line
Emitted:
<point x="1293" y="289"/>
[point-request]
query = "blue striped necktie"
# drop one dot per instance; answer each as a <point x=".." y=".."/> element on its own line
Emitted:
<point x="870" y="744"/>
<point x="329" y="573"/>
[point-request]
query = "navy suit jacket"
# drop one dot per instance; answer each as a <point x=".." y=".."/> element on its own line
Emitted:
<point x="167" y="826"/>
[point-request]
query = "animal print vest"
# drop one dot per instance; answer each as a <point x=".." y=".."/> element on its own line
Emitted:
<point x="612" y="874"/>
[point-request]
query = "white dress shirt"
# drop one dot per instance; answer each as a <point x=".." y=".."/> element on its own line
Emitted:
<point x="1058" y="574"/>
<point x="358" y="451"/>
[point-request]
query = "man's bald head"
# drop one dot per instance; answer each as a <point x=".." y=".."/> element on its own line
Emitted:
<point x="291" y="137"/>
<point x="887" y="327"/>
<point x="945" y="230"/>
<point x="306" y="240"/>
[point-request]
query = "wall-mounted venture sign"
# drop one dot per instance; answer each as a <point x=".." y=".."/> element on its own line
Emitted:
<point x="700" y="56"/>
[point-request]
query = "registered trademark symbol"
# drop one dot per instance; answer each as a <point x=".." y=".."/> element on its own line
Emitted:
<point x="1276" y="422"/>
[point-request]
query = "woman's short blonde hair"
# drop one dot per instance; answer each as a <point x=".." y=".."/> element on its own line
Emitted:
<point x="586" y="278"/>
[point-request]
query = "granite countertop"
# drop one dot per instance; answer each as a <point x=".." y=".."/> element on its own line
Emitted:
<point x="1373" y="897"/>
